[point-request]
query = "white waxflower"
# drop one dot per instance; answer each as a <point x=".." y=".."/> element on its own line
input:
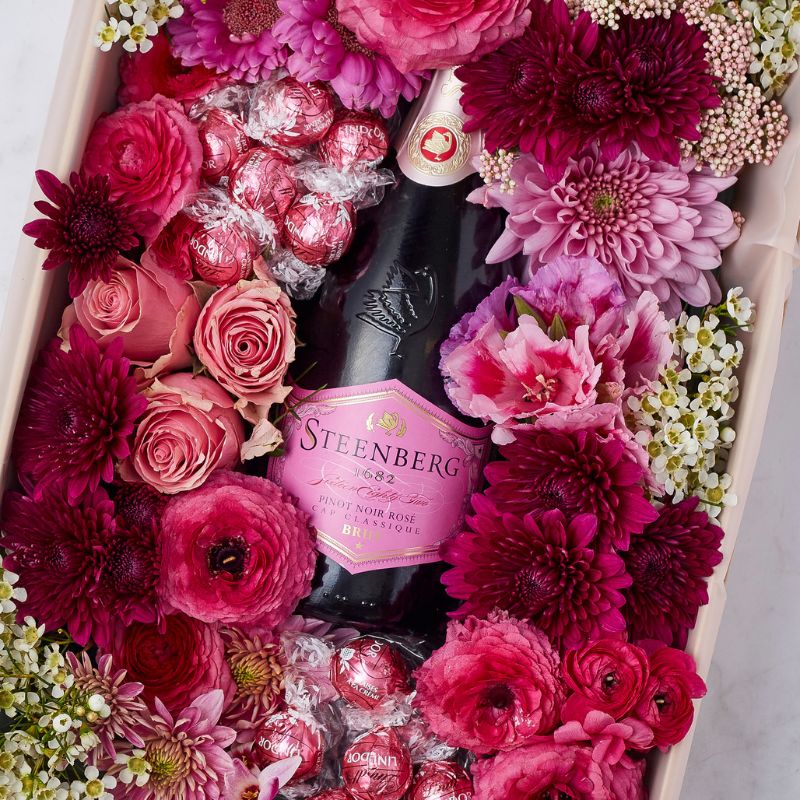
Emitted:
<point x="728" y="358"/>
<point x="94" y="786"/>
<point x="128" y="8"/>
<point x="107" y="33"/>
<point x="136" y="768"/>
<point x="162" y="11"/>
<point x="62" y="723"/>
<point x="137" y="31"/>
<point x="10" y="593"/>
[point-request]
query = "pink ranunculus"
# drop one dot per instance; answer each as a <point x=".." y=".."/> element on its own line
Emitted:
<point x="608" y="738"/>
<point x="237" y="551"/>
<point x="666" y="703"/>
<point x="607" y="675"/>
<point x="543" y="769"/>
<point x="190" y="429"/>
<point x="523" y="375"/>
<point x="151" y="153"/>
<point x="152" y="312"/>
<point x="627" y="779"/>
<point x="245" y="339"/>
<point x="494" y="685"/>
<point x="170" y="250"/>
<point x="430" y="34"/>
<point x="176" y="664"/>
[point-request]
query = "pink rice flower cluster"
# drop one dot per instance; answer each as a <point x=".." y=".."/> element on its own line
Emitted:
<point x="324" y="49"/>
<point x="232" y="37"/>
<point x="609" y="12"/>
<point x="760" y="127"/>
<point x="653" y="226"/>
<point x="558" y="352"/>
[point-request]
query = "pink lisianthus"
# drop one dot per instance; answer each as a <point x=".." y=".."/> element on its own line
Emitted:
<point x="237" y="551"/>
<point x="666" y="703"/>
<point x="608" y="675"/>
<point x="543" y="769"/>
<point x="175" y="663"/>
<point x="152" y="312"/>
<point x="494" y="685"/>
<point x="426" y="34"/>
<point x="608" y="738"/>
<point x="190" y="429"/>
<point x="324" y="49"/>
<point x="151" y="153"/>
<point x="652" y="225"/>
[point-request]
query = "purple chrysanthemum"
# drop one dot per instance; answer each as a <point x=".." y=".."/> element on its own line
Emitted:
<point x="670" y="564"/>
<point x="83" y="227"/>
<point x="121" y="696"/>
<point x="77" y="415"/>
<point x="230" y="36"/>
<point x="548" y="571"/>
<point x="577" y="473"/>
<point x="326" y="50"/>
<point x="652" y="225"/>
<point x="57" y="548"/>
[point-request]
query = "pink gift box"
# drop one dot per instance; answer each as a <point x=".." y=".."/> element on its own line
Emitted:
<point x="762" y="262"/>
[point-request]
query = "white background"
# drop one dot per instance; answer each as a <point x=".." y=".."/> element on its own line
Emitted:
<point x="748" y="743"/>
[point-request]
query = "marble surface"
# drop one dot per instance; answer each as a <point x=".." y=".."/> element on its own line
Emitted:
<point x="748" y="740"/>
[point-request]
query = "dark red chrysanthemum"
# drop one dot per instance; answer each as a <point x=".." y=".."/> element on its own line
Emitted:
<point x="669" y="564"/>
<point x="544" y="570"/>
<point x="139" y="504"/>
<point x="77" y="414"/>
<point x="58" y="548"/>
<point x="83" y="227"/>
<point x="509" y="93"/>
<point x="576" y="473"/>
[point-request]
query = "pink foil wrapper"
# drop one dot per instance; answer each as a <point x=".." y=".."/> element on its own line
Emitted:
<point x="355" y="139"/>
<point x="441" y="780"/>
<point x="318" y="229"/>
<point x="222" y="254"/>
<point x="377" y="766"/>
<point x="284" y="735"/>
<point x="261" y="181"/>
<point x="224" y="142"/>
<point x="291" y="113"/>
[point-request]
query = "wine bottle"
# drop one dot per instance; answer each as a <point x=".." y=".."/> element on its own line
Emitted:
<point x="379" y="457"/>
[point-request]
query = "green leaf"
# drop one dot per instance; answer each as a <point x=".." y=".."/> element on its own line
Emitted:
<point x="557" y="329"/>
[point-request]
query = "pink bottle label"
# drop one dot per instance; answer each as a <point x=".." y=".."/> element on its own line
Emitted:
<point x="385" y="475"/>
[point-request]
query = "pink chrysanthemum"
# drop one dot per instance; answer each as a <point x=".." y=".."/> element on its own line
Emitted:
<point x="77" y="414"/>
<point x="652" y="225"/>
<point x="509" y="93"/>
<point x="83" y="227"/>
<point x="121" y="696"/>
<point x="256" y="665"/>
<point x="186" y="752"/>
<point x="229" y="36"/>
<point x="326" y="50"/>
<point x="548" y="571"/>
<point x="57" y="548"/>
<point x="576" y="473"/>
<point x="670" y="564"/>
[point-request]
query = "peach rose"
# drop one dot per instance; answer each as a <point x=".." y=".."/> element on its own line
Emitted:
<point x="152" y="311"/>
<point x="190" y="429"/>
<point x="245" y="339"/>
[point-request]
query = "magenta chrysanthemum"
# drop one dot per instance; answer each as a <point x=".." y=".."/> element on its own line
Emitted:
<point x="77" y="414"/>
<point x="57" y="548"/>
<point x="186" y="752"/>
<point x="229" y="36"/>
<point x="548" y="571"/>
<point x="576" y="473"/>
<point x="652" y="225"/>
<point x="121" y="696"/>
<point x="509" y="93"/>
<point x="670" y="564"/>
<point x="84" y="228"/>
<point x="326" y="50"/>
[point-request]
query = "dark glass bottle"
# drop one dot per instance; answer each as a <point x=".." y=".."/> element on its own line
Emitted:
<point x="416" y="266"/>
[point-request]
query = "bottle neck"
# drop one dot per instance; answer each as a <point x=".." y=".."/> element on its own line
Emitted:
<point x="432" y="148"/>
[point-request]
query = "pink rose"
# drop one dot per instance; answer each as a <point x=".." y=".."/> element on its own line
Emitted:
<point x="608" y="738"/>
<point x="666" y="703"/>
<point x="151" y="153"/>
<point x="431" y="34"/>
<point x="507" y="378"/>
<point x="236" y="551"/>
<point x="245" y="339"/>
<point x="190" y="429"/>
<point x="607" y="675"/>
<point x="175" y="665"/>
<point x="152" y="312"/>
<point x="494" y="685"/>
<point x="143" y="75"/>
<point x="542" y="770"/>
